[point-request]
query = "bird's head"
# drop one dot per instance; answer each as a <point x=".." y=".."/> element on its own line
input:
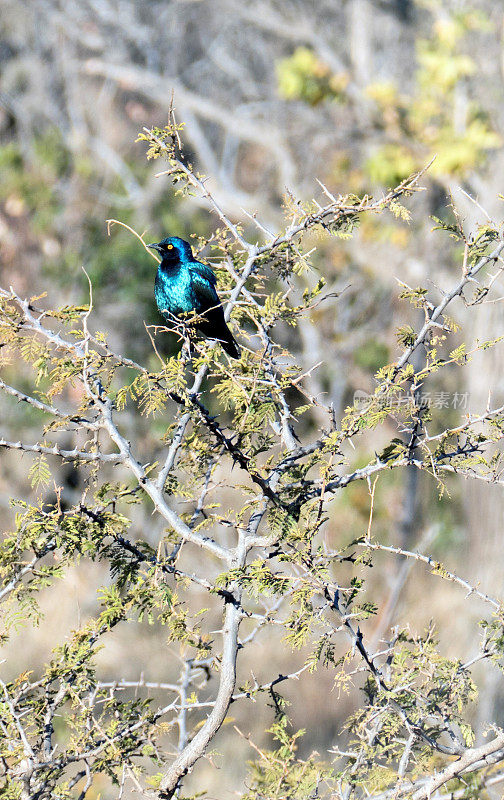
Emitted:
<point x="173" y="249"/>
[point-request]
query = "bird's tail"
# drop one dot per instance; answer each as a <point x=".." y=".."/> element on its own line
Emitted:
<point x="219" y="332"/>
<point x="230" y="346"/>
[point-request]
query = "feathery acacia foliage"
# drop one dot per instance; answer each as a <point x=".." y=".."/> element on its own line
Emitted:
<point x="250" y="489"/>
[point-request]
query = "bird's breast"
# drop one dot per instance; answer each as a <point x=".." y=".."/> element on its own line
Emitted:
<point x="173" y="293"/>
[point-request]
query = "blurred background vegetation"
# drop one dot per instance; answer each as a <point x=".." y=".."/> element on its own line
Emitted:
<point x="274" y="94"/>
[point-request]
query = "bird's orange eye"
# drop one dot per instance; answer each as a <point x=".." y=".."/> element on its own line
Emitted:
<point x="170" y="247"/>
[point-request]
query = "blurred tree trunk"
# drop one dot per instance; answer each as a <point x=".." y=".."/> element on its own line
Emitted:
<point x="484" y="503"/>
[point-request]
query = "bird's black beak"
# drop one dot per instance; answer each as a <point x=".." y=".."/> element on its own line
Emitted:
<point x="154" y="247"/>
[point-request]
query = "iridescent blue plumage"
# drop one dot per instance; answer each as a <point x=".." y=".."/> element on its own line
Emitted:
<point x="184" y="285"/>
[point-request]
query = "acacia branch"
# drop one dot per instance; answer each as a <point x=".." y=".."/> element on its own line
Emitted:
<point x="56" y="450"/>
<point x="104" y="404"/>
<point x="477" y="757"/>
<point x="197" y="746"/>
<point x="435" y="566"/>
<point x="153" y="490"/>
<point x="20" y="572"/>
<point x="55" y="412"/>
<point x="440" y="308"/>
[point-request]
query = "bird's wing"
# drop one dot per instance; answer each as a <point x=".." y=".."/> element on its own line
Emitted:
<point x="203" y="281"/>
<point x="203" y="270"/>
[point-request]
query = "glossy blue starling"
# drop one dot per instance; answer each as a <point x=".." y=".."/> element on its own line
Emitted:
<point x="184" y="285"/>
